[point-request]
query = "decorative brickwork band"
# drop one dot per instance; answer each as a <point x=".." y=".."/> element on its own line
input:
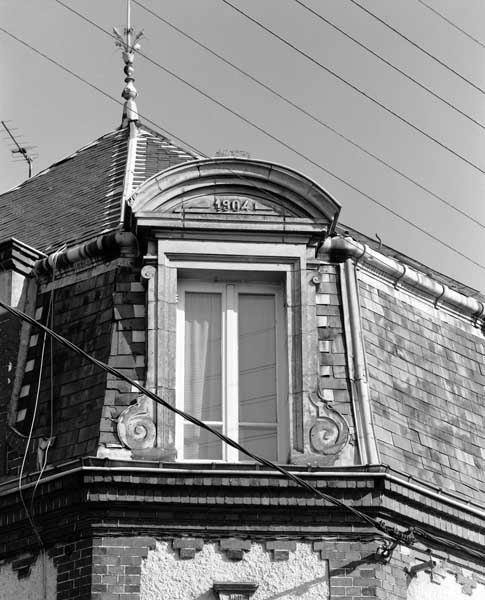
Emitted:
<point x="187" y="547"/>
<point x="135" y="426"/>
<point x="235" y="548"/>
<point x="468" y="584"/>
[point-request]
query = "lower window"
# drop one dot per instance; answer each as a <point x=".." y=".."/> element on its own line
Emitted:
<point x="231" y="367"/>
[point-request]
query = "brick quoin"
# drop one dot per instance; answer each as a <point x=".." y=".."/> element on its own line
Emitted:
<point x="116" y="570"/>
<point x="74" y="570"/>
<point x="357" y="574"/>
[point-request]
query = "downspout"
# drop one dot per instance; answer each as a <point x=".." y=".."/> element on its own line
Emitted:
<point x="357" y="367"/>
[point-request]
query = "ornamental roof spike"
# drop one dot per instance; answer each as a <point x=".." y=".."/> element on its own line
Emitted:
<point x="129" y="44"/>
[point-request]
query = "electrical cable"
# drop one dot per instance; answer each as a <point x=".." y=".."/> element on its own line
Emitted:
<point x="450" y="22"/>
<point x="389" y="532"/>
<point x="384" y="60"/>
<point x="325" y="170"/>
<point x="51" y="382"/>
<point x="307" y="113"/>
<point x="29" y="511"/>
<point x="354" y="87"/>
<point x="29" y="439"/>
<point x="416" y="45"/>
<point x="437" y="539"/>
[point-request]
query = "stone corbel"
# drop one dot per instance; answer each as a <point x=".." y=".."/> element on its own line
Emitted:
<point x="187" y="547"/>
<point x="235" y="548"/>
<point x="281" y="549"/>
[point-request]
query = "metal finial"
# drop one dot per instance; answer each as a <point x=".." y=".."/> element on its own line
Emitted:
<point x="129" y="44"/>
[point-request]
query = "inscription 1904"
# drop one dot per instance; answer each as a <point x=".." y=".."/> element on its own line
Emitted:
<point x="234" y="206"/>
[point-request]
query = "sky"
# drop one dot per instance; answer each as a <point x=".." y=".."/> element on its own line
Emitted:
<point x="381" y="102"/>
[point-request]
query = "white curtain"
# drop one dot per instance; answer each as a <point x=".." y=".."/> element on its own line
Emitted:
<point x="203" y="369"/>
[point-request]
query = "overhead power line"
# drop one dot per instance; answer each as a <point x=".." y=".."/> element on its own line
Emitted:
<point x="387" y="62"/>
<point x="450" y="22"/>
<point x="416" y="45"/>
<point x="303" y="110"/>
<point x="354" y="87"/>
<point x="389" y="532"/>
<point x="324" y="169"/>
<point x="92" y="85"/>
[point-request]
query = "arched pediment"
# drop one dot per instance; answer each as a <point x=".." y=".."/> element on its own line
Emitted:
<point x="233" y="189"/>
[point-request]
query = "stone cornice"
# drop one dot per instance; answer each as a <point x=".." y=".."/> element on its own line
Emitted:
<point x="357" y="481"/>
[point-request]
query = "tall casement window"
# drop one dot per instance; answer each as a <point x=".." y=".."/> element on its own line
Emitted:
<point x="231" y="366"/>
<point x="231" y="274"/>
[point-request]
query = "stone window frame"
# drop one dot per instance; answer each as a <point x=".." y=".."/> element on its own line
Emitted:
<point x="162" y="263"/>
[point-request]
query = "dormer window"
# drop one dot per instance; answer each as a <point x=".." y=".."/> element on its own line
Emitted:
<point x="231" y="318"/>
<point x="231" y="365"/>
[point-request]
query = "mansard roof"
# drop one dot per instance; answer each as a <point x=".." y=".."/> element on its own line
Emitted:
<point x="80" y="196"/>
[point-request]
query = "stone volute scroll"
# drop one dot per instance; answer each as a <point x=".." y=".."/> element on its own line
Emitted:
<point x="330" y="433"/>
<point x="135" y="425"/>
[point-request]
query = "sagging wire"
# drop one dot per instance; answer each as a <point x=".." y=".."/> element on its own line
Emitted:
<point x="389" y="533"/>
<point x="50" y="440"/>
<point x="30" y="437"/>
<point x="324" y="169"/>
<point x="439" y="540"/>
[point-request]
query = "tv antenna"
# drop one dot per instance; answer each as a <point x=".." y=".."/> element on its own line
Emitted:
<point x="20" y="152"/>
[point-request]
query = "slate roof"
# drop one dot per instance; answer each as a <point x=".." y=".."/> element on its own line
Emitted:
<point x="79" y="197"/>
<point x="426" y="376"/>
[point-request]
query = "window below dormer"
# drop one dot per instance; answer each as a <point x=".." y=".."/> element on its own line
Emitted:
<point x="224" y="344"/>
<point x="232" y="364"/>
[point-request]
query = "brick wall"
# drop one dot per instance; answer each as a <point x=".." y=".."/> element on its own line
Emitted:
<point x="356" y="573"/>
<point x="10" y="336"/>
<point x="117" y="567"/>
<point x="127" y="348"/>
<point x="331" y="342"/>
<point x="74" y="569"/>
<point x="83" y="313"/>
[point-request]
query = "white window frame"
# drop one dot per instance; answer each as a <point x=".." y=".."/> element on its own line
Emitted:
<point x="165" y="258"/>
<point x="230" y="291"/>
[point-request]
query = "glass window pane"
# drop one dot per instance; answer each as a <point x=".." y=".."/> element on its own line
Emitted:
<point x="203" y="362"/>
<point x="257" y="358"/>
<point x="199" y="444"/>
<point x="263" y="441"/>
